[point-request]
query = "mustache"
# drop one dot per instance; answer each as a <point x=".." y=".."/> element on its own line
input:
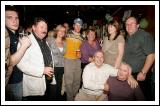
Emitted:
<point x="44" y="32"/>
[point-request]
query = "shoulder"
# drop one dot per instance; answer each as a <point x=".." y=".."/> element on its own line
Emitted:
<point x="120" y="38"/>
<point x="142" y="33"/>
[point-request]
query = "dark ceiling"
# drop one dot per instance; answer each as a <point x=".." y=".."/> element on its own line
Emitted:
<point x="58" y="14"/>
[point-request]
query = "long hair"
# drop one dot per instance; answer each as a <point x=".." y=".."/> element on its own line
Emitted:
<point x="116" y="25"/>
<point x="57" y="29"/>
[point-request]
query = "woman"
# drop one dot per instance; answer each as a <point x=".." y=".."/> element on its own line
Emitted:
<point x="113" y="46"/>
<point x="88" y="48"/>
<point x="57" y="45"/>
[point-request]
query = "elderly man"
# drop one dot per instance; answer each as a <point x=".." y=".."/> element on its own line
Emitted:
<point x="36" y="62"/>
<point x="119" y="89"/>
<point x="94" y="78"/>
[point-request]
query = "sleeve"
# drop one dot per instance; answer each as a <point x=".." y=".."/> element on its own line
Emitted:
<point x="104" y="44"/>
<point x="112" y="71"/>
<point x="89" y="81"/>
<point x="31" y="65"/>
<point x="121" y="39"/>
<point x="138" y="94"/>
<point x="84" y="52"/>
<point x="148" y="44"/>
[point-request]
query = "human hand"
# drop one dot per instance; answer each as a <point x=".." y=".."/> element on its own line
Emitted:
<point x="141" y="76"/>
<point x="48" y="71"/>
<point x="25" y="41"/>
<point x="132" y="82"/>
<point x="106" y="87"/>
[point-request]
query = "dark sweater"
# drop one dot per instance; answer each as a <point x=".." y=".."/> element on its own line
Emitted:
<point x="121" y="91"/>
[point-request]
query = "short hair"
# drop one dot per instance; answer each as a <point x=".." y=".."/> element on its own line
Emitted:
<point x="135" y="17"/>
<point x="130" y="68"/>
<point x="98" y="52"/>
<point x="10" y="8"/>
<point x="90" y="30"/>
<point x="39" y="19"/>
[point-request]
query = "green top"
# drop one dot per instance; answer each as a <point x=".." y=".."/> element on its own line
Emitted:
<point x="137" y="47"/>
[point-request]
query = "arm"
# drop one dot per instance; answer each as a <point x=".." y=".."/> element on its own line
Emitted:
<point x="148" y="63"/>
<point x="16" y="57"/>
<point x="120" y="54"/>
<point x="84" y="52"/>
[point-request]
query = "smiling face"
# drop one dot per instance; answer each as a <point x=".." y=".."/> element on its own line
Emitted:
<point x="11" y="20"/>
<point x="123" y="72"/>
<point x="60" y="31"/>
<point x="40" y="29"/>
<point x="131" y="25"/>
<point x="98" y="59"/>
<point x="112" y="29"/>
<point x="91" y="35"/>
<point x="77" y="27"/>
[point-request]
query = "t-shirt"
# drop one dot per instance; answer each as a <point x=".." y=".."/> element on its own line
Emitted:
<point x="121" y="91"/>
<point x="110" y="49"/>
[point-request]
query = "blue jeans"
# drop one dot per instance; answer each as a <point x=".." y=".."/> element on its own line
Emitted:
<point x="14" y="92"/>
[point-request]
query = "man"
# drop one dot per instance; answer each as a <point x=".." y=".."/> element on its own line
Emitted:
<point x="72" y="63"/>
<point x="119" y="89"/>
<point x="139" y="53"/>
<point x="36" y="63"/>
<point x="14" y="87"/>
<point x="94" y="78"/>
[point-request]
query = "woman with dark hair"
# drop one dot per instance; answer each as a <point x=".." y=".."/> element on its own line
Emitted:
<point x="113" y="46"/>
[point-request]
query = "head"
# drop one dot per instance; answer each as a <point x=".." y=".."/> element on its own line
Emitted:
<point x="66" y="25"/>
<point x="113" y="29"/>
<point x="40" y="27"/>
<point x="99" y="58"/>
<point x="51" y="33"/>
<point x="60" y="31"/>
<point x="132" y="25"/>
<point x="11" y="19"/>
<point x="123" y="72"/>
<point x="91" y="34"/>
<point x="77" y="25"/>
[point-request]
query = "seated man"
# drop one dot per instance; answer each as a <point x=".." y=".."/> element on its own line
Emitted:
<point x="119" y="90"/>
<point x="94" y="79"/>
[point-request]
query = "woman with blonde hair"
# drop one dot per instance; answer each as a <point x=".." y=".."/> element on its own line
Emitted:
<point x="57" y="45"/>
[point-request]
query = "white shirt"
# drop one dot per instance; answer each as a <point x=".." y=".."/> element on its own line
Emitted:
<point x="94" y="78"/>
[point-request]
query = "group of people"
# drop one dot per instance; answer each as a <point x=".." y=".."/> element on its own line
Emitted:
<point x="38" y="67"/>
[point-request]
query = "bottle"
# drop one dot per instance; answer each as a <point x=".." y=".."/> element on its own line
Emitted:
<point x="48" y="77"/>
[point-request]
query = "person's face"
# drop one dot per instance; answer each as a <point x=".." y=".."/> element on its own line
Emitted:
<point x="131" y="26"/>
<point x="61" y="32"/>
<point x="66" y="26"/>
<point x="99" y="59"/>
<point x="91" y="36"/>
<point x="11" y="20"/>
<point x="77" y="27"/>
<point x="111" y="29"/>
<point x="40" y="29"/>
<point x="123" y="73"/>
